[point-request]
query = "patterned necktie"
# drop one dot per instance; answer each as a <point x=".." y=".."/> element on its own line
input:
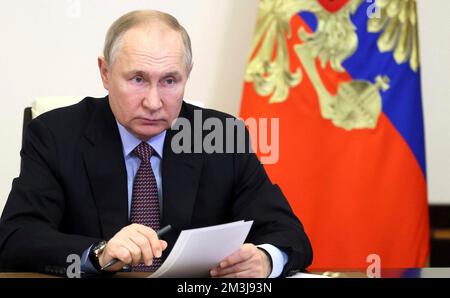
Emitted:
<point x="145" y="203"/>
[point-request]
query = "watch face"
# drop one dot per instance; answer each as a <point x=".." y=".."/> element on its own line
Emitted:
<point x="98" y="249"/>
<point x="94" y="254"/>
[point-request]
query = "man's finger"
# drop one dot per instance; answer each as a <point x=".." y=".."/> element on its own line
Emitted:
<point x="150" y="234"/>
<point x="163" y="244"/>
<point x="242" y="266"/>
<point x="240" y="274"/>
<point x="241" y="255"/>
<point x="134" y="250"/>
<point x="119" y="252"/>
<point x="155" y="245"/>
<point x="144" y="230"/>
<point x="144" y="245"/>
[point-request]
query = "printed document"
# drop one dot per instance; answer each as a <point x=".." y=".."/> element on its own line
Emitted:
<point x="197" y="251"/>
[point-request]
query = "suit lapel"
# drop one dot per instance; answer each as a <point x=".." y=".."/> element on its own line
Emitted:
<point x="181" y="176"/>
<point x="105" y="165"/>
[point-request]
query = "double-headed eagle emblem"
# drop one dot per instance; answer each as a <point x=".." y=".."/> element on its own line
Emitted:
<point x="357" y="104"/>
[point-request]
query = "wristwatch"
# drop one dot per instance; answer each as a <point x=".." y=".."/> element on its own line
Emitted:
<point x="95" y="252"/>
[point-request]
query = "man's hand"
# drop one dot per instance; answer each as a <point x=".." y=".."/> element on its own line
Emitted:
<point x="133" y="244"/>
<point x="248" y="262"/>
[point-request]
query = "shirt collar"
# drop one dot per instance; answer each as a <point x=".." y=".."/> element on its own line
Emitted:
<point x="129" y="141"/>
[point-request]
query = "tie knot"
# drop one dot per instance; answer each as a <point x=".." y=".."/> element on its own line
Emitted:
<point x="143" y="151"/>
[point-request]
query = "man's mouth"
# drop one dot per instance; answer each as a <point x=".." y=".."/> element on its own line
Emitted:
<point x="150" y="121"/>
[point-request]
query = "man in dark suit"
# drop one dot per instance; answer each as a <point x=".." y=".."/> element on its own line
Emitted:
<point x="83" y="178"/>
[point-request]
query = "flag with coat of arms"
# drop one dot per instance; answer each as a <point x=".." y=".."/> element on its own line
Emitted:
<point x="343" y="77"/>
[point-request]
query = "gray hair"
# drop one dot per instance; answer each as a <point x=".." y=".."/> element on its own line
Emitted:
<point x="141" y="17"/>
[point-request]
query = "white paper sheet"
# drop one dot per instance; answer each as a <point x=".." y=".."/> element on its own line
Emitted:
<point x="199" y="250"/>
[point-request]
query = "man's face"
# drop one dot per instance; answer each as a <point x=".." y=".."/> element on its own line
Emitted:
<point x="146" y="80"/>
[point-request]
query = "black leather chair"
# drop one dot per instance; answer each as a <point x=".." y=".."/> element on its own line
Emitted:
<point x="26" y="120"/>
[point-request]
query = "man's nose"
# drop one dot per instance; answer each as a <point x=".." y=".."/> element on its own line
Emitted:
<point x="153" y="99"/>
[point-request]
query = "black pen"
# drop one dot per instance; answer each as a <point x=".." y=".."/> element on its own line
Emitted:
<point x="159" y="233"/>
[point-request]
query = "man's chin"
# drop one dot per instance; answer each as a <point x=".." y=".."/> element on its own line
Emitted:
<point x="149" y="131"/>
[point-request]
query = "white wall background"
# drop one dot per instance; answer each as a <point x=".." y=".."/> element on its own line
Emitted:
<point x="50" y="47"/>
<point x="434" y="31"/>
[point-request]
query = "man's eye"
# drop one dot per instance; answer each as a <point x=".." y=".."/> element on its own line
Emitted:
<point x="170" y="81"/>
<point x="137" y="79"/>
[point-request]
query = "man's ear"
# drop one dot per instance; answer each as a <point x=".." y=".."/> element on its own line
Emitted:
<point x="104" y="71"/>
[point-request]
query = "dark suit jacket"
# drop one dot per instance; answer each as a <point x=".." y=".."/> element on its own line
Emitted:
<point x="72" y="192"/>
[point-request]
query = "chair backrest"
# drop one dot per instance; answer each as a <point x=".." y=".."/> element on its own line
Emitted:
<point x="44" y="104"/>
<point x="47" y="103"/>
<point x="26" y="119"/>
